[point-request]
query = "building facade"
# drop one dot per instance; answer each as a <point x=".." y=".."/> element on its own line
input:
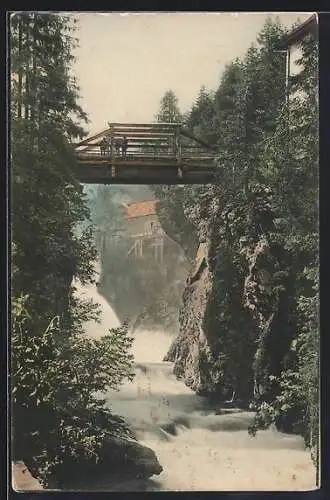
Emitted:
<point x="292" y="45"/>
<point x="144" y="229"/>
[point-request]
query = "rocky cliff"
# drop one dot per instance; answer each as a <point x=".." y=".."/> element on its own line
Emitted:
<point x="233" y="303"/>
<point x="191" y="351"/>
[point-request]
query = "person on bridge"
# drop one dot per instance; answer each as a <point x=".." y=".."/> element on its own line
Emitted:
<point x="103" y="146"/>
<point x="124" y="146"/>
<point x="118" y="145"/>
<point x="108" y="145"/>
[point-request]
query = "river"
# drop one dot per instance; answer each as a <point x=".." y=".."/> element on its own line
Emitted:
<point x="198" y="449"/>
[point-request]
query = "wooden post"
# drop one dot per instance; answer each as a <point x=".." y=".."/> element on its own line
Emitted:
<point x="178" y="150"/>
<point x="113" y="168"/>
<point x="162" y="250"/>
<point x="179" y="144"/>
<point x="156" y="250"/>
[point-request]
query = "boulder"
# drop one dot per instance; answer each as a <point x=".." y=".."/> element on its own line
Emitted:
<point x="135" y="459"/>
<point x="121" y="460"/>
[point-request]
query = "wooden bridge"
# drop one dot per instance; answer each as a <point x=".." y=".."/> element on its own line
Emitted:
<point x="152" y="154"/>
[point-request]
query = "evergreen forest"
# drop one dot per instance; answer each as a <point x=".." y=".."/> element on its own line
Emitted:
<point x="259" y="219"/>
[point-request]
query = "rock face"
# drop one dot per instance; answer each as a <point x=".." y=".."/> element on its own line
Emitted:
<point x="267" y="292"/>
<point x="191" y="351"/>
<point x="213" y="353"/>
<point x="135" y="459"/>
<point x="237" y="321"/>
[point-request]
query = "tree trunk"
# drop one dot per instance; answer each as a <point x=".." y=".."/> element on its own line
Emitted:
<point x="20" y="69"/>
<point x="27" y="67"/>
<point x="33" y="89"/>
<point x="34" y="103"/>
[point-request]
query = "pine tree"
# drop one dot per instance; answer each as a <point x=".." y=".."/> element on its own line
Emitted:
<point x="201" y="118"/>
<point x="291" y="161"/>
<point x="169" y="110"/>
<point x="57" y="420"/>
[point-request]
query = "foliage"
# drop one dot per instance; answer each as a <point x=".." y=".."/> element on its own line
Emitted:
<point x="202" y="117"/>
<point x="57" y="381"/>
<point x="296" y="406"/>
<point x="172" y="200"/>
<point x="295" y="401"/>
<point x="56" y="370"/>
<point x="260" y="221"/>
<point x="169" y="111"/>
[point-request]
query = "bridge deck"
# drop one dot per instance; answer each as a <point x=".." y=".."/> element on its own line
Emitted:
<point x="154" y="153"/>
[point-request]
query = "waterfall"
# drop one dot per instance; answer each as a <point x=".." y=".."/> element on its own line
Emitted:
<point x="198" y="448"/>
<point x="108" y="316"/>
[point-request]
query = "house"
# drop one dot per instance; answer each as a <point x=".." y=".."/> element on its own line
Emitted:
<point x="291" y="44"/>
<point x="141" y="219"/>
<point x="143" y="227"/>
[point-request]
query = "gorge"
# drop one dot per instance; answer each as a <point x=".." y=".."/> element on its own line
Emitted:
<point x="198" y="446"/>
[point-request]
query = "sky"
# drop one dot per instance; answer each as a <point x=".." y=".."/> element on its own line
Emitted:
<point x="126" y="61"/>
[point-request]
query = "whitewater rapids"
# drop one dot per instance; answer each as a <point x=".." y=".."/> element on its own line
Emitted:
<point x="198" y="449"/>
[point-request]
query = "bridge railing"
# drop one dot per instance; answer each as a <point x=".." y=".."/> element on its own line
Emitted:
<point x="149" y="142"/>
<point x="144" y="154"/>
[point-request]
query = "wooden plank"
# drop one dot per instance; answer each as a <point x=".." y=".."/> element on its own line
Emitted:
<point x="143" y="174"/>
<point x="123" y="131"/>
<point x="138" y="133"/>
<point x="128" y="158"/>
<point x="85" y="141"/>
<point x="143" y="147"/>
<point x="161" y="129"/>
<point x="148" y="138"/>
<point x="130" y="154"/>
<point x="133" y="145"/>
<point x="147" y="180"/>
<point x="92" y="172"/>
<point x="141" y="162"/>
<point x="139" y="168"/>
<point x="135" y="141"/>
<point x="141" y="151"/>
<point x="85" y="157"/>
<point x="144" y="125"/>
<point x="112" y="151"/>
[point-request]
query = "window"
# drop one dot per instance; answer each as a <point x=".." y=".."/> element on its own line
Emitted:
<point x="148" y="227"/>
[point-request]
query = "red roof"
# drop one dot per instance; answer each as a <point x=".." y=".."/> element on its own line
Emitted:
<point x="141" y="209"/>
